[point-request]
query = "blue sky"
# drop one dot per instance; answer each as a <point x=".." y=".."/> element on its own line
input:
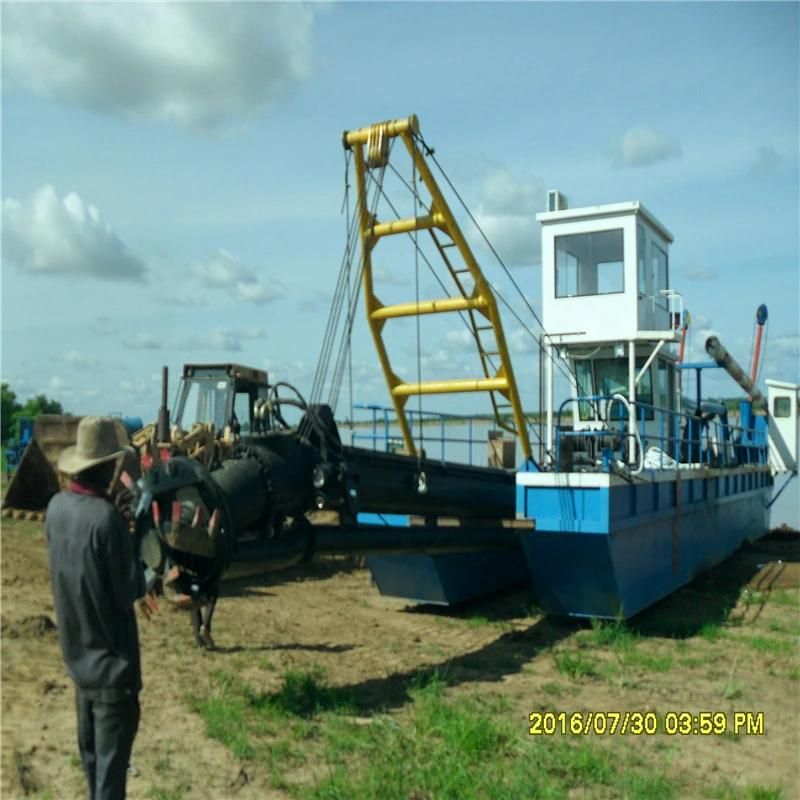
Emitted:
<point x="172" y="176"/>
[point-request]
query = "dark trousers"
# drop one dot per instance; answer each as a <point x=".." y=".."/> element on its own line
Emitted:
<point x="105" y="736"/>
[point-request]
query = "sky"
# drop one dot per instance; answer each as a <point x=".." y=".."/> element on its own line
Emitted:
<point x="173" y="176"/>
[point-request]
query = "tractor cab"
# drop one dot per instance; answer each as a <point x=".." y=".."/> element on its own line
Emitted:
<point x="226" y="395"/>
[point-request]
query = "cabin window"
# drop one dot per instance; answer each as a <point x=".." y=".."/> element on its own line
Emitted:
<point x="241" y="410"/>
<point x="205" y="400"/>
<point x="665" y="388"/>
<point x="658" y="261"/>
<point x="641" y="256"/>
<point x="782" y="407"/>
<point x="611" y="376"/>
<point x="589" y="264"/>
<point x="583" y="376"/>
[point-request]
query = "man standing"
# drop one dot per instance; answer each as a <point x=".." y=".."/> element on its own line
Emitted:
<point x="96" y="575"/>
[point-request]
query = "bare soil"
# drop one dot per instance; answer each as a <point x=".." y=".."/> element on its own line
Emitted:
<point x="330" y="615"/>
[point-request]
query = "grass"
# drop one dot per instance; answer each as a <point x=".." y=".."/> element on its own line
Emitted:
<point x="728" y="791"/>
<point x="303" y="694"/>
<point x="224" y="715"/>
<point x="451" y="748"/>
<point x="158" y="793"/>
<point x="712" y="631"/>
<point x="769" y="646"/>
<point x="316" y="741"/>
<point x="552" y="688"/>
<point x="461" y="747"/>
<point x="630" y="650"/>
<point x="782" y="597"/>
<point x="574" y="665"/>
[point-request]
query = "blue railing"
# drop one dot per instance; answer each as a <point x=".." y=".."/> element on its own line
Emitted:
<point x="381" y="436"/>
<point x="662" y="438"/>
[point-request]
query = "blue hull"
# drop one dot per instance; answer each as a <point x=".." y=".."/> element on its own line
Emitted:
<point x="613" y="550"/>
<point x="447" y="579"/>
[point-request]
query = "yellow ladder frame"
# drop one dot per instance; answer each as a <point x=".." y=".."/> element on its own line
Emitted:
<point x="375" y="140"/>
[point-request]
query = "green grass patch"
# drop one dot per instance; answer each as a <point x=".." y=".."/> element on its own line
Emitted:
<point x="790" y="627"/>
<point x="698" y="661"/>
<point x="224" y="712"/>
<point x="458" y="748"/>
<point x="630" y="650"/>
<point x="303" y="693"/>
<point x="732" y="690"/>
<point x="783" y="597"/>
<point x="574" y="665"/>
<point x="438" y="746"/>
<point x="647" y="661"/>
<point x="711" y="632"/>
<point x="478" y="622"/>
<point x="728" y="791"/>
<point x="615" y="634"/>
<point x="159" y="793"/>
<point x="769" y="646"/>
<point x="552" y="688"/>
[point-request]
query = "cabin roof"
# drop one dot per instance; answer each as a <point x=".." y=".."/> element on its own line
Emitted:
<point x="607" y="210"/>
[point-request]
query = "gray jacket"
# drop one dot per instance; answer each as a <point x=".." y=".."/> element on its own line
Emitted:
<point x="96" y="575"/>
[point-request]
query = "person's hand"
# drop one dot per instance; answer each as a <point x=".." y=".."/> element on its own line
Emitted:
<point x="148" y="605"/>
<point x="123" y="500"/>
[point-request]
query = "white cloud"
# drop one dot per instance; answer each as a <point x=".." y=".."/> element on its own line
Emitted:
<point x="697" y="272"/>
<point x="255" y="293"/>
<point x="137" y="388"/>
<point x="386" y="277"/>
<point x="767" y="160"/>
<point x="504" y="192"/>
<point x="521" y="341"/>
<point x="515" y="238"/>
<point x="103" y="325"/>
<point x="642" y="147"/>
<point x="506" y="213"/>
<point x="223" y="270"/>
<point x="222" y="339"/>
<point x="182" y="301"/>
<point x="48" y="234"/>
<point x="79" y="360"/>
<point x="314" y="300"/>
<point x="144" y="341"/>
<point x="462" y="339"/>
<point x="193" y="64"/>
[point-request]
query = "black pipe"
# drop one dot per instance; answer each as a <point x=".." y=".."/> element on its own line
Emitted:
<point x="162" y="427"/>
<point x="725" y="360"/>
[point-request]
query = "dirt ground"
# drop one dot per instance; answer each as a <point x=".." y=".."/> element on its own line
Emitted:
<point x="328" y="614"/>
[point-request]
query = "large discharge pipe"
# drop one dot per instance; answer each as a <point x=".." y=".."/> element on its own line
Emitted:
<point x="195" y="523"/>
<point x="725" y="360"/>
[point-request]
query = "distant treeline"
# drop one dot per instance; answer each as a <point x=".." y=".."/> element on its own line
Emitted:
<point x="12" y="411"/>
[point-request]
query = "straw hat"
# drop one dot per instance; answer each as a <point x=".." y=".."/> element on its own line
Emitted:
<point x="98" y="441"/>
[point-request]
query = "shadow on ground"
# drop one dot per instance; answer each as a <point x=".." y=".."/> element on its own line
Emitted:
<point x="710" y="599"/>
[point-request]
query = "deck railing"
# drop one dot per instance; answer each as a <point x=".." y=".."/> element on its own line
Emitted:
<point x="661" y="438"/>
<point x="382" y="437"/>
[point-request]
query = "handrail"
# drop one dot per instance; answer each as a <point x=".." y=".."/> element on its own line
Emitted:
<point x="380" y="414"/>
<point x="675" y="439"/>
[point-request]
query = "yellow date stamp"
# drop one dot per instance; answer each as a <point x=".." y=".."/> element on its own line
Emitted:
<point x="647" y="723"/>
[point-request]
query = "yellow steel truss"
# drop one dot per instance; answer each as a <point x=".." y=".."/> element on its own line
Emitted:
<point x="370" y="147"/>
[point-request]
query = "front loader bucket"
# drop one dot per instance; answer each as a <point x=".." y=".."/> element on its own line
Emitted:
<point x="34" y="482"/>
